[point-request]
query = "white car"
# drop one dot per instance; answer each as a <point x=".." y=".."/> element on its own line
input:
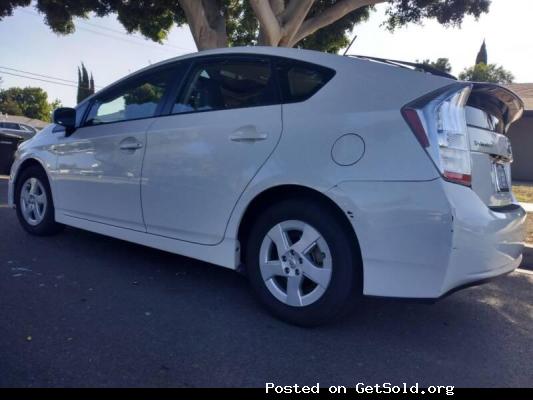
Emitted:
<point x="320" y="176"/>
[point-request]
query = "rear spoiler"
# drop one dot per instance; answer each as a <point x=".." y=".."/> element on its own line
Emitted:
<point x="497" y="100"/>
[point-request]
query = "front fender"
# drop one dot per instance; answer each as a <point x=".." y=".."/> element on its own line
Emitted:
<point x="39" y="149"/>
<point x="19" y="165"/>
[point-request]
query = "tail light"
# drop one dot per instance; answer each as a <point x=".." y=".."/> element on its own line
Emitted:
<point x="439" y="123"/>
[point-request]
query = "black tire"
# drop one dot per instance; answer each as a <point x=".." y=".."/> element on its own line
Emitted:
<point x="345" y="285"/>
<point x="48" y="225"/>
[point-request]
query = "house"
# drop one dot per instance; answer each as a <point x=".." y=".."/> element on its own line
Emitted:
<point x="521" y="135"/>
<point x="17" y="119"/>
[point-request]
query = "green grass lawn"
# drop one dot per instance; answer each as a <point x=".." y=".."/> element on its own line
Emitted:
<point x="523" y="193"/>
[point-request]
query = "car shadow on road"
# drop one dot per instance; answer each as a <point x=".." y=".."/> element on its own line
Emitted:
<point x="466" y="326"/>
<point x="163" y="319"/>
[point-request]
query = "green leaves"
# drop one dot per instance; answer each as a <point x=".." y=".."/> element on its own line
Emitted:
<point x="446" y="12"/>
<point x="487" y="73"/>
<point x="7" y="7"/>
<point x="85" y="84"/>
<point x="32" y="102"/>
<point x="442" y="64"/>
<point x="155" y="19"/>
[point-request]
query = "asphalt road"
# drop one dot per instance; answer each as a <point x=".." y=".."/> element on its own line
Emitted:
<point x="80" y="309"/>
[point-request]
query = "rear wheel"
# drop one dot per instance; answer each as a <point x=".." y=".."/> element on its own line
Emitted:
<point x="35" y="207"/>
<point x="302" y="263"/>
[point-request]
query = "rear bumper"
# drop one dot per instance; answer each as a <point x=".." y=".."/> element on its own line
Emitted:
<point x="486" y="243"/>
<point x="425" y="239"/>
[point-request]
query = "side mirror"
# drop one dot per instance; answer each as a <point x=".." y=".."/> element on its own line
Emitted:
<point x="65" y="117"/>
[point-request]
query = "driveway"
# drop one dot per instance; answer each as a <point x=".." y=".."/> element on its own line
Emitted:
<point x="79" y="309"/>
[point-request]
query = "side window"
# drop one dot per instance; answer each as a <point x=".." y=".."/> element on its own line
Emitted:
<point x="221" y="85"/>
<point x="299" y="81"/>
<point x="12" y="126"/>
<point x="134" y="100"/>
<point x="27" y="128"/>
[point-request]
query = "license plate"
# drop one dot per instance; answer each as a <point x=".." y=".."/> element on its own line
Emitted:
<point x="501" y="178"/>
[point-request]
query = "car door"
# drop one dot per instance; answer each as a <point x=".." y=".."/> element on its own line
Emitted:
<point x="223" y="126"/>
<point x="99" y="166"/>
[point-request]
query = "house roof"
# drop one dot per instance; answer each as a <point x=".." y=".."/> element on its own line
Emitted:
<point x="525" y="91"/>
<point x="36" y="123"/>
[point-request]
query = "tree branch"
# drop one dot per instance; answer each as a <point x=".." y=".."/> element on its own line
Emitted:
<point x="216" y="21"/>
<point x="278" y="6"/>
<point x="270" y="26"/>
<point x="206" y="22"/>
<point x="329" y="16"/>
<point x="293" y="17"/>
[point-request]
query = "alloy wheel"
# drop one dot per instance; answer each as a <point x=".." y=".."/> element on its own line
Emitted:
<point x="295" y="263"/>
<point x="33" y="201"/>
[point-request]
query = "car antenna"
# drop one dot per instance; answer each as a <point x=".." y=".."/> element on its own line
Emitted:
<point x="350" y="45"/>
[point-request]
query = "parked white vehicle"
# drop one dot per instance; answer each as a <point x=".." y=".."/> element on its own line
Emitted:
<point x="321" y="176"/>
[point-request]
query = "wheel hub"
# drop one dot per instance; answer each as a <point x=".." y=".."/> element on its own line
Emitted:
<point x="291" y="260"/>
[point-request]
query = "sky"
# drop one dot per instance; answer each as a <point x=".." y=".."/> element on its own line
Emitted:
<point x="27" y="44"/>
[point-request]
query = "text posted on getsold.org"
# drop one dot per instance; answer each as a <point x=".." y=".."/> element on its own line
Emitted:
<point x="359" y="388"/>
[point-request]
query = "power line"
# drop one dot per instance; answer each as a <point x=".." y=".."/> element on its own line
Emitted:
<point x="134" y="37"/>
<point x="41" y="75"/>
<point x="121" y="39"/>
<point x="35" y="74"/>
<point x="128" y="38"/>
<point x="38" y="79"/>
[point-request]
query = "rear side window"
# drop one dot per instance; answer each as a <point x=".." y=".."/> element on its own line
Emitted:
<point x="227" y="84"/>
<point x="299" y="81"/>
<point x="134" y="100"/>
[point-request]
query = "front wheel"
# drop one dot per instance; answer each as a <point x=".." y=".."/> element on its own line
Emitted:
<point x="302" y="262"/>
<point x="35" y="207"/>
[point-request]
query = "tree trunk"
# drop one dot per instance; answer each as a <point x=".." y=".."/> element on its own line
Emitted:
<point x="207" y="23"/>
<point x="281" y="23"/>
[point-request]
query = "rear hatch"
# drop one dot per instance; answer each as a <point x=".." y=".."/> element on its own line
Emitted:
<point x="490" y="111"/>
<point x="463" y="129"/>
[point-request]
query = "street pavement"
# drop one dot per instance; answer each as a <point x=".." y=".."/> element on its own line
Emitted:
<point x="80" y="309"/>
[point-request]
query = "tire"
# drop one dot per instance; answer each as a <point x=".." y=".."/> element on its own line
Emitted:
<point x="41" y="221"/>
<point x="335" y="254"/>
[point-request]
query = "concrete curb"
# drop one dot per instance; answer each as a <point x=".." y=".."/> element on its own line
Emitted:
<point x="528" y="207"/>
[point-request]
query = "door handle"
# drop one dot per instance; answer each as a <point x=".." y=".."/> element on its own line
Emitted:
<point x="247" y="133"/>
<point x="130" y="144"/>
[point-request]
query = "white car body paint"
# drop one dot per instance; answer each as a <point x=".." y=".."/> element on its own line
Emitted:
<point x="187" y="188"/>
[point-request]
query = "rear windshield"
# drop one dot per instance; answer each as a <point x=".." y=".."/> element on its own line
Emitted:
<point x="482" y="119"/>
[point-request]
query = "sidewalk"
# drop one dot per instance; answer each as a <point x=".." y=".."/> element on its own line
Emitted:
<point x="528" y="207"/>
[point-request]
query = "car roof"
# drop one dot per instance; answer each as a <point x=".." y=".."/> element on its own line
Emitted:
<point x="299" y="54"/>
<point x="318" y="57"/>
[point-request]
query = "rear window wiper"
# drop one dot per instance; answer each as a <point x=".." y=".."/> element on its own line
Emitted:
<point x="405" y="64"/>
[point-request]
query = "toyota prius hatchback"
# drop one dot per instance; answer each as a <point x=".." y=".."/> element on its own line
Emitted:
<point x="320" y="177"/>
